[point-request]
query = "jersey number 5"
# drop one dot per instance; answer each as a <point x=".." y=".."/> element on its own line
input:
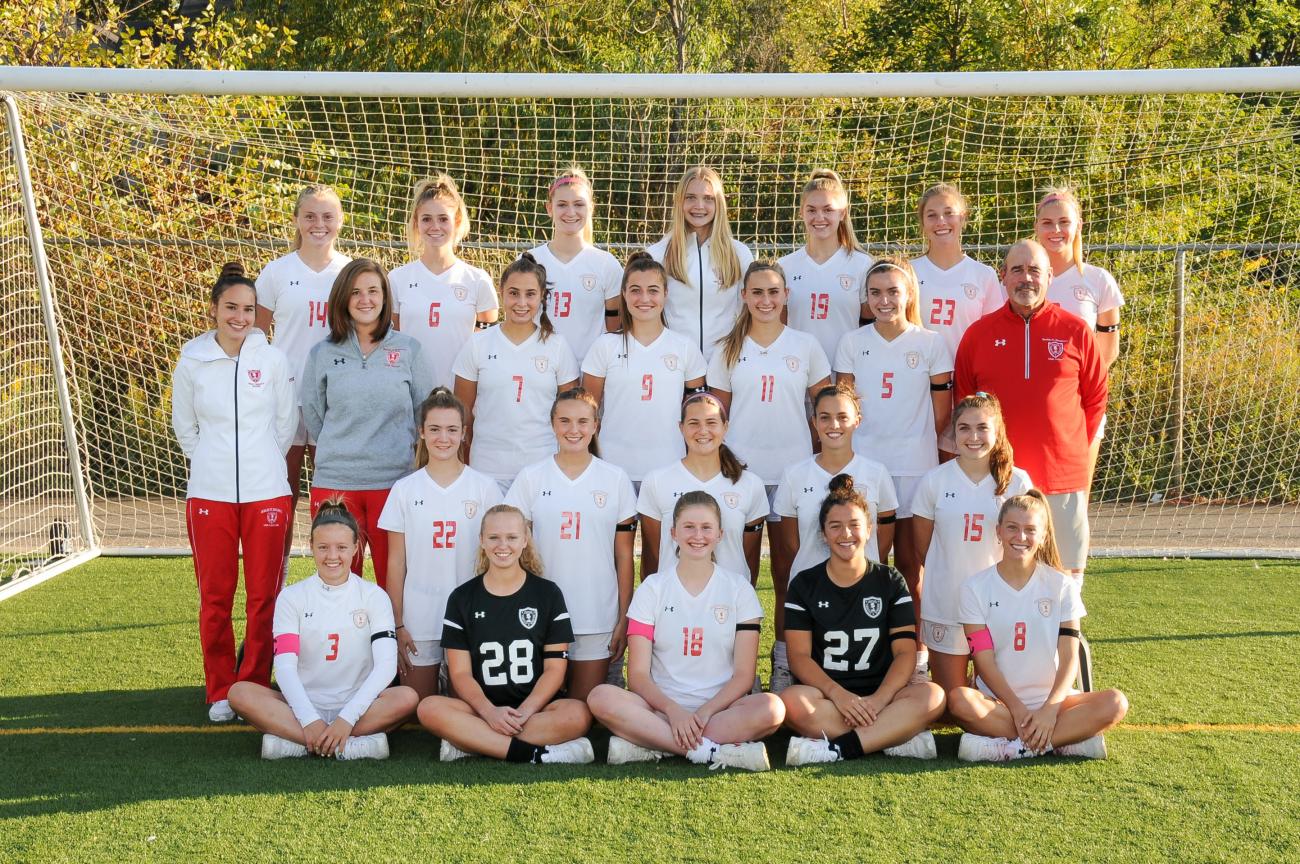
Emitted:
<point x="886" y="385"/>
<point x="837" y="645"/>
<point x="519" y="670"/>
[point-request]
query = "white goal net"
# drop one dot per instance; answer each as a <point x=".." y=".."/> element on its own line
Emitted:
<point x="1191" y="200"/>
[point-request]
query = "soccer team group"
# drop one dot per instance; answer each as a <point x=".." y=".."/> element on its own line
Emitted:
<point x="498" y="472"/>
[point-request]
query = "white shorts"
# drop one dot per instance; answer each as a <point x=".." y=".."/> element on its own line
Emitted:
<point x="431" y="653"/>
<point x="906" y="488"/>
<point x="301" y="437"/>
<point x="1070" y="521"/>
<point x="944" y="638"/>
<point x="590" y="646"/>
<point x="772" y="515"/>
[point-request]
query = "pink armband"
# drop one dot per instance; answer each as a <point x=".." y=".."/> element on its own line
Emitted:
<point x="286" y="643"/>
<point x="640" y="628"/>
<point x="980" y="640"/>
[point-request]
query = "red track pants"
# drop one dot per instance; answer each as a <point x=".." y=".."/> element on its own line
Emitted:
<point x="365" y="505"/>
<point x="218" y="530"/>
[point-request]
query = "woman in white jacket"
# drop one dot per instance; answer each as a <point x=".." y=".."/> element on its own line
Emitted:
<point x="235" y="413"/>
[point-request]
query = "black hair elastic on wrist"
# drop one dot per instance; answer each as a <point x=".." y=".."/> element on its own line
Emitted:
<point x="555" y="655"/>
<point x="887" y="520"/>
<point x="903" y="634"/>
<point x="630" y="526"/>
<point x="1107" y="328"/>
<point x="383" y="634"/>
<point x="1069" y="631"/>
<point x="751" y="626"/>
<point x="939" y="388"/>
<point x="611" y="313"/>
<point x="483" y="325"/>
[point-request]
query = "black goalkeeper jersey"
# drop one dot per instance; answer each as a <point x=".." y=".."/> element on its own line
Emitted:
<point x="505" y="635"/>
<point x="850" y="626"/>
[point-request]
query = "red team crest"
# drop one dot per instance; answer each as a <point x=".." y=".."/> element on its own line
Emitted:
<point x="255" y="377"/>
<point x="471" y="507"/>
<point x="971" y="291"/>
<point x="588" y="282"/>
<point x="541" y="363"/>
<point x="846" y="282"/>
<point x="791" y="363"/>
<point x="731" y="499"/>
<point x="720" y="614"/>
<point x="360" y="619"/>
<point x="600" y="498"/>
<point x="670" y="361"/>
<point x="1045" y="607"/>
<point x="913" y="359"/>
<point x="272" y="516"/>
<point x="1056" y="348"/>
<point x="394" y="357"/>
<point x="460" y="292"/>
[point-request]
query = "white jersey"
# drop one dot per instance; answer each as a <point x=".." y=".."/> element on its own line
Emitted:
<point x="1086" y="294"/>
<point x="573" y="527"/>
<point x="741" y="502"/>
<point x="694" y="641"/>
<point x="517" y="385"/>
<point x="826" y="299"/>
<point x="440" y="529"/>
<point x="803" y="489"/>
<point x="579" y="289"/>
<point x="439" y="310"/>
<point x="954" y="299"/>
<point x="333" y="624"/>
<point x="298" y="298"/>
<point x="644" y="385"/>
<point x="893" y="381"/>
<point x="1024" y="624"/>
<point x="963" y="542"/>
<point x="706" y="314"/>
<point x="769" y="391"/>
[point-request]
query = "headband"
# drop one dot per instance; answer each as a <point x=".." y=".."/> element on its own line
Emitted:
<point x="706" y="395"/>
<point x="563" y="181"/>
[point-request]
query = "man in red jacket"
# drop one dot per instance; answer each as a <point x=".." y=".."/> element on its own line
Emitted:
<point x="1043" y="365"/>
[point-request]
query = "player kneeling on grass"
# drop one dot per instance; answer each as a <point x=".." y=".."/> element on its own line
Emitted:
<point x="1021" y="618"/>
<point x="335" y="653"/>
<point x="506" y="635"/>
<point x="851" y="636"/>
<point x="692" y="650"/>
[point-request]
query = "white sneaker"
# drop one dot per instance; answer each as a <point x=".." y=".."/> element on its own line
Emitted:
<point x="919" y="746"/>
<point x="1088" y="748"/>
<point x="623" y="751"/>
<point x="781" y="679"/>
<point x="750" y="756"/>
<point x="980" y="748"/>
<point x="365" y="747"/>
<point x="449" y="752"/>
<point x="921" y="674"/>
<point x="810" y="751"/>
<point x="575" y="752"/>
<point x="221" y="712"/>
<point x="275" y="747"/>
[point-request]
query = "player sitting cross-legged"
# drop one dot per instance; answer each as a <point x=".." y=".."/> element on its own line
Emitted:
<point x="851" y="636"/>
<point x="506" y="635"/>
<point x="692" y="650"/>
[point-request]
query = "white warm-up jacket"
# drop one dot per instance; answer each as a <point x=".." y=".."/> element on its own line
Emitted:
<point x="702" y="308"/>
<point x="235" y="418"/>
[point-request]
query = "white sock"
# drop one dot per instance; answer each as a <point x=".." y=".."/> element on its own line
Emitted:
<point x="703" y="754"/>
<point x="922" y="658"/>
<point x="779" y="657"/>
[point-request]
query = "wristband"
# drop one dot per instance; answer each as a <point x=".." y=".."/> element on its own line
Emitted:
<point x="751" y="626"/>
<point x="383" y="634"/>
<point x="1070" y="631"/>
<point x="399" y="627"/>
<point x="903" y="634"/>
<point x="939" y="388"/>
<point x="630" y="526"/>
<point x="980" y="640"/>
<point x="887" y="520"/>
<point x="1107" y="328"/>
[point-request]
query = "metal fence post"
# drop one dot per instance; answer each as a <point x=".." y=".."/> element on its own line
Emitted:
<point x="1180" y="406"/>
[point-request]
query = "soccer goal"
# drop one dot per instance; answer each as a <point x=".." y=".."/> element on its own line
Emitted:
<point x="123" y="191"/>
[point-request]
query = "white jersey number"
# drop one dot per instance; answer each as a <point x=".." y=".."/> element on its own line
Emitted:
<point x="837" y="645"/>
<point x="520" y="669"/>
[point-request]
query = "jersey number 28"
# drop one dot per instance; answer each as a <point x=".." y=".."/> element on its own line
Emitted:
<point x="513" y="664"/>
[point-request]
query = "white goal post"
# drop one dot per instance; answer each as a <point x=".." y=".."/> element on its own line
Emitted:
<point x="123" y="190"/>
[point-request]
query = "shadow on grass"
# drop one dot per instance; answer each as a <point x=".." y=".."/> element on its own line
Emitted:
<point x="105" y="628"/>
<point x="61" y="773"/>
<point x="1196" y="637"/>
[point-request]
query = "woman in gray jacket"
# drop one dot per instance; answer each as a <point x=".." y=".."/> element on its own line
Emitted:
<point x="361" y="391"/>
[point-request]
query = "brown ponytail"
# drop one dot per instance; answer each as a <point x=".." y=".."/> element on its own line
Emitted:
<point x="334" y="511"/>
<point x="841" y="491"/>
<point x="232" y="274"/>
<point x="526" y="263"/>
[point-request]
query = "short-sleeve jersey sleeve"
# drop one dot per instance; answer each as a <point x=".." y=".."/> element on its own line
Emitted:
<point x="819" y="366"/>
<point x="286" y="619"/>
<point x="560" y="628"/>
<point x="379" y="608"/>
<point x="647" y="501"/>
<point x="566" y="367"/>
<point x="393" y="516"/>
<point x="940" y="356"/>
<point x="267" y="287"/>
<point x="485" y="293"/>
<point x="453" y="629"/>
<point x="968" y="610"/>
<point x="924" y="500"/>
<point x="696" y="365"/>
<point x="994" y="294"/>
<point x="757" y="496"/>
<point x="748" y="606"/>
<point x="1072" y="600"/>
<point x="718" y="375"/>
<point x="1110" y="296"/>
<point x="844" y="353"/>
<point x="902" y="612"/>
<point x="645" y="602"/>
<point x="613" y="278"/>
<point x="783" y="501"/>
<point x="520" y="493"/>
<point x="596" y="363"/>
<point x="627" y="503"/>
<point x="797" y="600"/>
<point x="888" y="494"/>
<point x="466" y="362"/>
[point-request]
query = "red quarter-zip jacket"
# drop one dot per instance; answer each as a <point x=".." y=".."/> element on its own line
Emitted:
<point x="1048" y="375"/>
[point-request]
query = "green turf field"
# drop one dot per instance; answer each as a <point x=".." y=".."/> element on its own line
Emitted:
<point x="1205" y="768"/>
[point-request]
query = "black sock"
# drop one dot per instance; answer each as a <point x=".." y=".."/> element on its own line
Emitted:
<point x="522" y="751"/>
<point x="849" y="745"/>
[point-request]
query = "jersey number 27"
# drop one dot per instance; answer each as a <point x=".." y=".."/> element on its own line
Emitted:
<point x="837" y="645"/>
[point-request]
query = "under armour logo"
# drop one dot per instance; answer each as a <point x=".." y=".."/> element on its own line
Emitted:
<point x="866" y="353"/>
<point x="998" y="343"/>
<point x="340" y="361"/>
<point x="480" y="614"/>
<point x="808" y="489"/>
<point x="622" y="356"/>
<point x="744" y="359"/>
<point x="418" y="503"/>
<point x="306" y="614"/>
<point x="492" y="357"/>
<point x="823" y="604"/>
<point x="993" y="603"/>
<point x="950" y="494"/>
<point x="203" y="511"/>
<point x="797" y="278"/>
<point x="546" y="493"/>
<point x="670" y="608"/>
<point x="294" y="283"/>
<point x="413" y="285"/>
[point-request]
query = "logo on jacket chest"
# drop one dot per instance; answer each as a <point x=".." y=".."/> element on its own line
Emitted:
<point x="541" y="364"/>
<point x="255" y="378"/>
<point x="913" y="359"/>
<point x="394" y="357"/>
<point x="1055" y="348"/>
<point x="971" y="291"/>
<point x="846" y="282"/>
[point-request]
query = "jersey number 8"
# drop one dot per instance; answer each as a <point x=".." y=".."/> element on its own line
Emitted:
<point x="837" y="645"/>
<point x="494" y="666"/>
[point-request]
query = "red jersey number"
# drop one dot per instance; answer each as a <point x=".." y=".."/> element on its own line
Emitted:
<point x="519" y="387"/>
<point x="974" y="527"/>
<point x="1019" y="643"/>
<point x="692" y="641"/>
<point x="334" y="647"/>
<point x="943" y="311"/>
<point x="821" y="307"/>
<point x="444" y="534"/>
<point x="767" y="390"/>
<point x="886" y="385"/>
<point x="563" y="304"/>
<point x="571" y="525"/>
<point x="647" y="387"/>
<point x="435" y="313"/>
<point x="316" y="313"/>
